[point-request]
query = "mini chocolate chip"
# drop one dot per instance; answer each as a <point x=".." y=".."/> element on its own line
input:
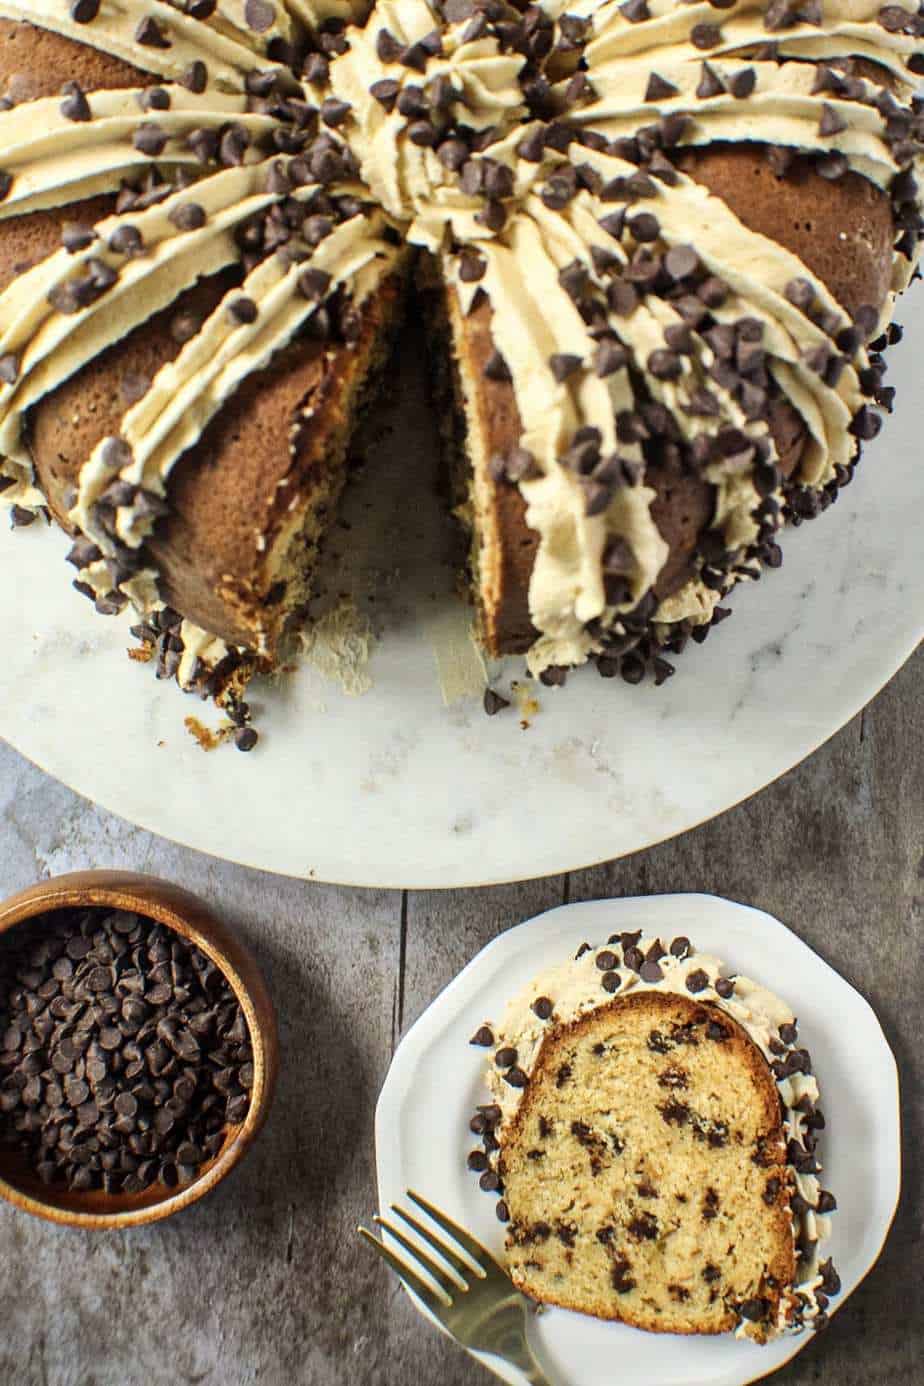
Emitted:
<point x="610" y="356"/>
<point x="187" y="216"/>
<point x="150" y="35"/>
<point x="195" y="77"/>
<point x="563" y="365"/>
<point x="149" y="139"/>
<point x="830" y="123"/>
<point x="259" y="15"/>
<point x="334" y="112"/>
<point x="681" y="261"/>
<point x="710" y="83"/>
<point x="665" y="365"/>
<point x="126" y="240"/>
<point x="705" y="36"/>
<point x="493" y="703"/>
<point x="697" y="981"/>
<point x="743" y="82"/>
<point x="496" y="368"/>
<point x="633" y="957"/>
<point x="243" y="310"/>
<point x="659" y="88"/>
<point x="75" y="105"/>
<point x="386" y="92"/>
<point x="245" y="738"/>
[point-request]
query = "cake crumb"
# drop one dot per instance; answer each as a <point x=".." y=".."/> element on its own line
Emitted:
<point x="339" y="645"/>
<point x="527" y="703"/>
<point x="205" y="736"/>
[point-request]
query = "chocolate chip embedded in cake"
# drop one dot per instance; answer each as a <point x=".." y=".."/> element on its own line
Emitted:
<point x="655" y="1151"/>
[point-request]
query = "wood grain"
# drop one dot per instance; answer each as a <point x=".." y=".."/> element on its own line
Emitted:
<point x="264" y="1282"/>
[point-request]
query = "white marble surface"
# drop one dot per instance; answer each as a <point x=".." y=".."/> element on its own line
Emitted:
<point x="394" y="788"/>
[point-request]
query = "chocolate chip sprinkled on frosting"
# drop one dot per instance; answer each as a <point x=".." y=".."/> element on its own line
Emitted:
<point x="188" y="216"/>
<point x="150" y="34"/>
<point x="259" y="15"/>
<point x="243" y="309"/>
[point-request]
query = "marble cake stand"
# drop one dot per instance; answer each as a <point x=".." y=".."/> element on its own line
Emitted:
<point x="394" y="787"/>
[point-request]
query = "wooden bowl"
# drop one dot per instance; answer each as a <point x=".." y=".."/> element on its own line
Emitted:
<point x="191" y="918"/>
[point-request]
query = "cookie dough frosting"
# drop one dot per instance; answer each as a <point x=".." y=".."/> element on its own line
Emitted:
<point x="627" y="963"/>
<point x="535" y="151"/>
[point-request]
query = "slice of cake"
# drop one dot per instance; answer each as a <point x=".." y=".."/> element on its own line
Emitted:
<point x="651" y="1140"/>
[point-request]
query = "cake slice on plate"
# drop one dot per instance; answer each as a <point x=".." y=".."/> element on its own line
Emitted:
<point x="652" y="1143"/>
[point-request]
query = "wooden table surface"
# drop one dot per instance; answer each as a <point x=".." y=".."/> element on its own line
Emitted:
<point x="265" y="1282"/>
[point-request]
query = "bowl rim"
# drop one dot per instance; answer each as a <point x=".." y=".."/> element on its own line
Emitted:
<point x="192" y="918"/>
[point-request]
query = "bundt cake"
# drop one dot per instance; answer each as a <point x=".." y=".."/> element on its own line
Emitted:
<point x="651" y="1142"/>
<point x="658" y="247"/>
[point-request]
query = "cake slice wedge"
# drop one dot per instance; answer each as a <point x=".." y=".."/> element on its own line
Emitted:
<point x="652" y="1143"/>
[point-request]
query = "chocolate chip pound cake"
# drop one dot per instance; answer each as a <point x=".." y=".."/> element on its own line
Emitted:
<point x="652" y="1142"/>
<point x="662" y="246"/>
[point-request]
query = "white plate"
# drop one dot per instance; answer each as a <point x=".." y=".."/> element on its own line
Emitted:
<point x="393" y="788"/>
<point x="434" y="1085"/>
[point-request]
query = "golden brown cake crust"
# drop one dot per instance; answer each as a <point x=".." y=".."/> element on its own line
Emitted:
<point x="35" y="62"/>
<point x="841" y="230"/>
<point x="660" y="1014"/>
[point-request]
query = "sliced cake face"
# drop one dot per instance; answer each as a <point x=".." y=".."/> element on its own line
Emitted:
<point x="644" y="1172"/>
<point x="651" y="1142"/>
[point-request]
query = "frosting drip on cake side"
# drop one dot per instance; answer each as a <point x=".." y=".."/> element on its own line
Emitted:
<point x="636" y="317"/>
<point x="630" y="963"/>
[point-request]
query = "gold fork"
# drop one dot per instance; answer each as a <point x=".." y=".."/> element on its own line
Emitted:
<point x="476" y="1301"/>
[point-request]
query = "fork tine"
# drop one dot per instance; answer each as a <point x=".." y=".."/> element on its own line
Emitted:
<point x="478" y="1253"/>
<point x="452" y="1284"/>
<point x="408" y="1277"/>
<point x="464" y="1267"/>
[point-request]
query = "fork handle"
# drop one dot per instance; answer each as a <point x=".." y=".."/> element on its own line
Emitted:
<point x="535" y="1375"/>
<point x="526" y="1363"/>
<point x="515" y="1349"/>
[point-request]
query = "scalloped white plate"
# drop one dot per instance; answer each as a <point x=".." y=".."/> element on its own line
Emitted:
<point x="395" y="789"/>
<point x="435" y="1083"/>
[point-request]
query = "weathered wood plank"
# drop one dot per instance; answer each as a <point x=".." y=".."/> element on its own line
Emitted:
<point x="265" y="1281"/>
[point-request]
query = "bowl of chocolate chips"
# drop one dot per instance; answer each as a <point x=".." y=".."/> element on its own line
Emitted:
<point x="138" y="1049"/>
